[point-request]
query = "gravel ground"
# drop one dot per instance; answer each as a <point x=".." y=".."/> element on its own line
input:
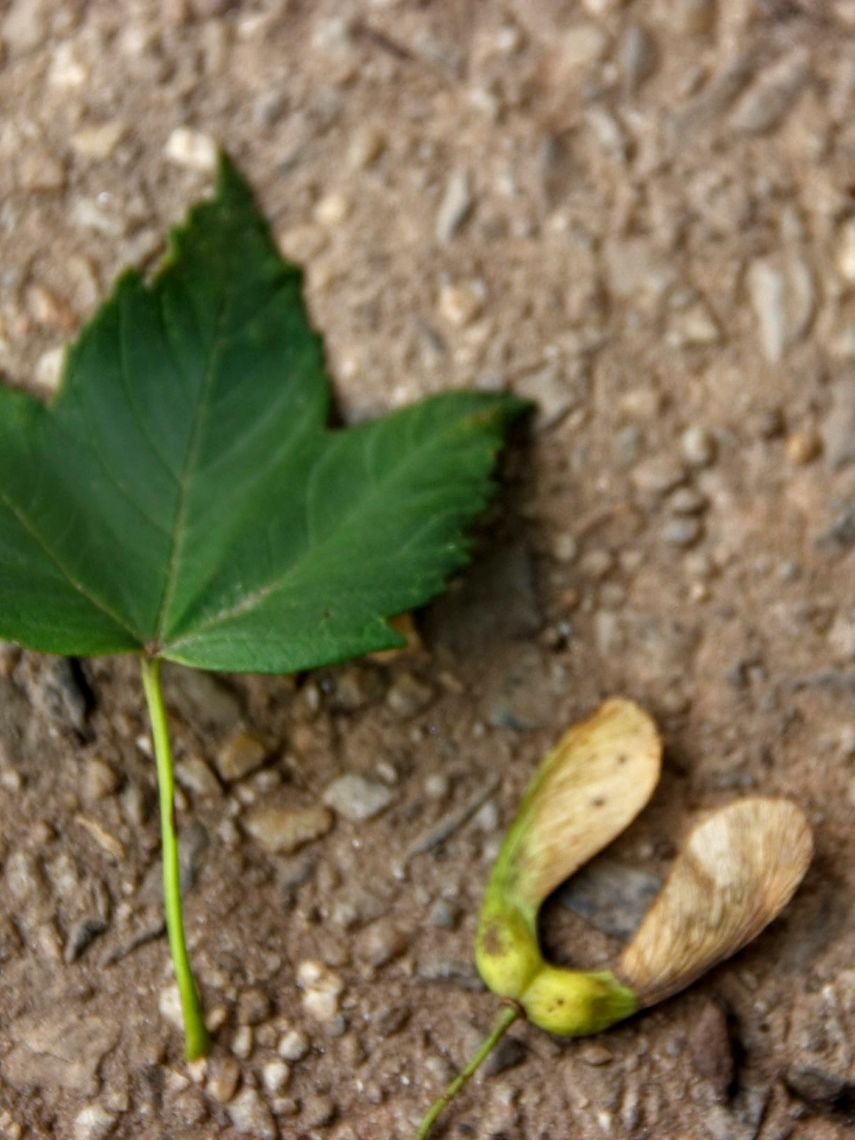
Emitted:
<point x="640" y="214"/>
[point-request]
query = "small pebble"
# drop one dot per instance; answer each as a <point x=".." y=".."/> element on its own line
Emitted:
<point x="637" y="56"/>
<point x="253" y="1007"/>
<point x="596" y="564"/>
<point x="366" y="145"/>
<point x="658" y="475"/>
<point x="596" y="1055"/>
<point x="682" y="531"/>
<point x="408" y="696"/>
<point x="40" y="171"/>
<point x="711" y="1049"/>
<point x="99" y="780"/>
<point x="380" y="943"/>
<point x="243" y="1042"/>
<point x="293" y="1045"/>
<point x="460" y="303"/>
<point x="282" y="830"/>
<point x="698" y="446"/>
<point x="195" y="775"/>
<point x="332" y="210"/>
<point x="321" y="987"/>
<point x="846" y="250"/>
<point x="437" y="786"/>
<point x="553" y="395"/>
<point x="104" y="838"/>
<point x="803" y="446"/>
<point x="169" y="1004"/>
<point x="93" y="1122"/>
<point x="241" y="754"/>
<point x="693" y="327"/>
<point x="99" y="142"/>
<point x="455" y="207"/>
<point x="251" y="1116"/>
<point x="581" y="45"/>
<point x="838" y="428"/>
<point x="841" y="636"/>
<point x="67" y="69"/>
<point x="687" y="501"/>
<point x="444" y="914"/>
<point x="356" y="798"/>
<point x="49" y="369"/>
<point x="275" y="1076"/>
<point x="191" y="149"/>
<point x="190" y="1108"/>
<point x="782" y="295"/>
<point x="772" y="94"/>
<point x="223" y="1078"/>
<point x="318" y="1109"/>
<point x="565" y="548"/>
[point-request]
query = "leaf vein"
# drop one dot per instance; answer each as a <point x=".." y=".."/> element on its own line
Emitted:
<point x="94" y="600"/>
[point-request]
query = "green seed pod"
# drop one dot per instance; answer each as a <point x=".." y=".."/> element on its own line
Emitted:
<point x="506" y="951"/>
<point x="573" y="1003"/>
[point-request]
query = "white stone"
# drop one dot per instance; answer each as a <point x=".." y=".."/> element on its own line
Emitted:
<point x="771" y="96"/>
<point x="693" y="328"/>
<point x="846" y="250"/>
<point x="455" y="206"/>
<point x="460" y="303"/>
<point x="581" y="45"/>
<point x="356" y="798"/>
<point x="49" y="369"/>
<point x="243" y="1042"/>
<point x="275" y="1076"/>
<point x="67" y="70"/>
<point x="93" y="1123"/>
<point x="782" y="296"/>
<point x="192" y="149"/>
<point x="293" y="1045"/>
<point x="841" y="636"/>
<point x="366" y="146"/>
<point x="169" y="1004"/>
<point x="99" y="142"/>
<point x="321" y="989"/>
<point x="251" y="1116"/>
<point x="698" y="446"/>
<point x="332" y="210"/>
<point x="565" y="548"/>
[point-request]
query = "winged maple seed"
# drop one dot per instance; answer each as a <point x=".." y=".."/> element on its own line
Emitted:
<point x="738" y="870"/>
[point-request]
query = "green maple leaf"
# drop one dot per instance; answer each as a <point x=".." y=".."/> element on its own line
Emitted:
<point x="184" y="498"/>
<point x="183" y="493"/>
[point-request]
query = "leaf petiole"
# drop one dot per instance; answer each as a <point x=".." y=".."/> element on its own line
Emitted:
<point x="507" y="1016"/>
<point x="196" y="1040"/>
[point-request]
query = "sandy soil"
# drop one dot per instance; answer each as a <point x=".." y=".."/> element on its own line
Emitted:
<point x="639" y="214"/>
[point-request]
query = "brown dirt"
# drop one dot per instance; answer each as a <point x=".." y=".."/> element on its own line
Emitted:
<point x="637" y="213"/>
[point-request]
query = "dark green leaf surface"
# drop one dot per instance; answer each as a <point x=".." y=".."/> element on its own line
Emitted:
<point x="183" y="492"/>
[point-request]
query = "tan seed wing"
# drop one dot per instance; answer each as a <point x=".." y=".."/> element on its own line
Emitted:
<point x="589" y="788"/>
<point x="739" y="869"/>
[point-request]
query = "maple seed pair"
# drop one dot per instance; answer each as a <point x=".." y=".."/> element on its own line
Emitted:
<point x="739" y="868"/>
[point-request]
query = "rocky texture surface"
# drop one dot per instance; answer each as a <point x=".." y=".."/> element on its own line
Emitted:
<point x="639" y="214"/>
